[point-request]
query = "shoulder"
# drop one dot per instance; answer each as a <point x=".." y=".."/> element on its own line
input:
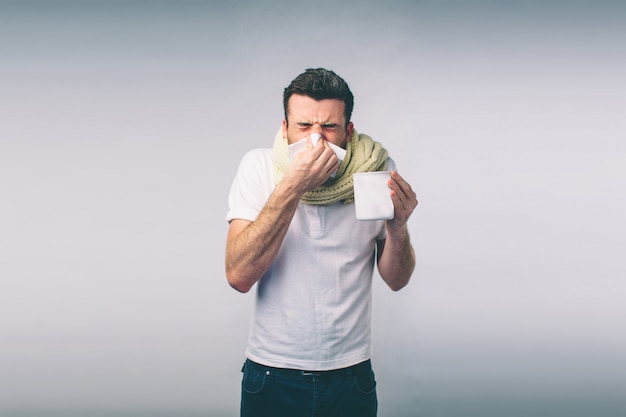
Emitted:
<point x="255" y="162"/>
<point x="252" y="185"/>
<point x="257" y="157"/>
<point x="256" y="165"/>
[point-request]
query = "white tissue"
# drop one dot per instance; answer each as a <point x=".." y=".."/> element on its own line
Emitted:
<point x="299" y="146"/>
<point x="340" y="152"/>
<point x="315" y="137"/>
<point x="296" y="148"/>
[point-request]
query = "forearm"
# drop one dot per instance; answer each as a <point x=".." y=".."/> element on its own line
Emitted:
<point x="396" y="261"/>
<point x="252" y="247"/>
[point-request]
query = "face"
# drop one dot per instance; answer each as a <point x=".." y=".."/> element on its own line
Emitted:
<point x="324" y="117"/>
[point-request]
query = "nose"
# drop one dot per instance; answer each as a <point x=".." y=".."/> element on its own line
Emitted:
<point x="316" y="128"/>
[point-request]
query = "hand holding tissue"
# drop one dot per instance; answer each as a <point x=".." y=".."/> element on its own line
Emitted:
<point x="299" y="146"/>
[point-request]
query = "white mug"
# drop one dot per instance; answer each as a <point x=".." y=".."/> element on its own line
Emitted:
<point x="372" y="196"/>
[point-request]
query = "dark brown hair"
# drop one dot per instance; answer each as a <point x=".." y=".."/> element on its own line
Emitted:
<point x="320" y="84"/>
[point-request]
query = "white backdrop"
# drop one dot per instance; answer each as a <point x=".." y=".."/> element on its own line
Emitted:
<point x="122" y="124"/>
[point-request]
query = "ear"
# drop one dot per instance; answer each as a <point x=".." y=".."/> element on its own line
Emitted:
<point x="349" y="131"/>
<point x="284" y="128"/>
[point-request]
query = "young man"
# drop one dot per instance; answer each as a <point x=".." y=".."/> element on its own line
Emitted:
<point x="294" y="233"/>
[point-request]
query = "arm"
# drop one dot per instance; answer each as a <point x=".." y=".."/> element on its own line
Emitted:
<point x="396" y="258"/>
<point x="251" y="247"/>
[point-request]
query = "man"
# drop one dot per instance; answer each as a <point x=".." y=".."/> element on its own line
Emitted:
<point x="294" y="233"/>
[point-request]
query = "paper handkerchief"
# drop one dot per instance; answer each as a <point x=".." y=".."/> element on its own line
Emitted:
<point x="299" y="146"/>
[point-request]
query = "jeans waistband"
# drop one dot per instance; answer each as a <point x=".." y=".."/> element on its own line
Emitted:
<point x="359" y="368"/>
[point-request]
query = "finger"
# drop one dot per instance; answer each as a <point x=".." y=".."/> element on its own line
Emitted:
<point x="397" y="177"/>
<point x="332" y="163"/>
<point x="404" y="188"/>
<point x="404" y="202"/>
<point x="402" y="183"/>
<point x="397" y="189"/>
<point x="399" y="204"/>
<point x="328" y="151"/>
<point x="323" y="150"/>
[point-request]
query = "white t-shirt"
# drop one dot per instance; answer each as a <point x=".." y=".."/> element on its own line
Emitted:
<point x="313" y="305"/>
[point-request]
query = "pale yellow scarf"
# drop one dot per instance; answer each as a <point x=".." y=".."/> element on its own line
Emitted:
<point x="363" y="154"/>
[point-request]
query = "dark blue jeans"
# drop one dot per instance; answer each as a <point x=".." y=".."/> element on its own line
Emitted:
<point x="278" y="392"/>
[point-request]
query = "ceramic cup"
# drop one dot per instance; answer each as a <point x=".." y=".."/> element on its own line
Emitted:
<point x="372" y="196"/>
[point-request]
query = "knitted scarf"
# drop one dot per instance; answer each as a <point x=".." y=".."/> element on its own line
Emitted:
<point x="363" y="154"/>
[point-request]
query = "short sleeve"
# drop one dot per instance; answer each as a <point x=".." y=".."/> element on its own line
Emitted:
<point x="252" y="185"/>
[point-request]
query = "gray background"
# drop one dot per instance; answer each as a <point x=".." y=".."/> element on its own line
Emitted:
<point x="121" y="127"/>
